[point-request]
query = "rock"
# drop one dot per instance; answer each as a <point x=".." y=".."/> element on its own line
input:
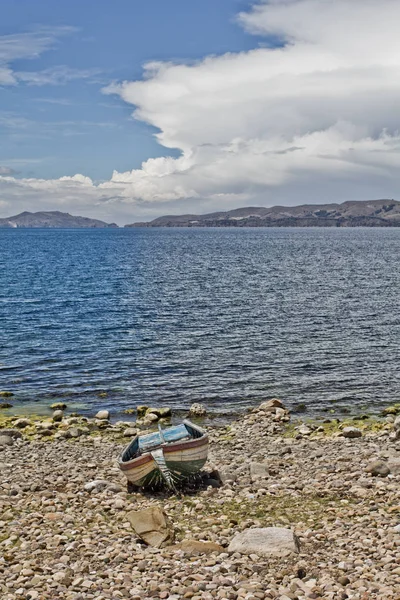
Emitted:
<point x="6" y="394"/>
<point x="304" y="429"/>
<point x="258" y="470"/>
<point x="267" y="541"/>
<point x="223" y="475"/>
<point x="280" y="414"/>
<point x="130" y="432"/>
<point x="378" y="468"/>
<point x="22" y="423"/>
<point x="396" y="423"/>
<point x="58" y="416"/>
<point x="394" y="465"/>
<point x="151" y="526"/>
<point x="270" y="405"/>
<point x="141" y="410"/>
<point x="129" y="411"/>
<point x="396" y="529"/>
<point x="197" y="410"/>
<point x="63" y="577"/>
<point x="392" y="410"/>
<point x="5" y="405"/>
<point x="343" y="580"/>
<point x="351" y="432"/>
<point x="150" y="418"/>
<point x="58" y="406"/>
<point x="14" y="433"/>
<point x="45" y="432"/>
<point x="103" y="415"/>
<point x="99" y="485"/>
<point x="195" y="547"/>
<point x="394" y="435"/>
<point x="162" y="413"/>
<point x="6" y="440"/>
<point x="114" y="488"/>
<point x="74" y="432"/>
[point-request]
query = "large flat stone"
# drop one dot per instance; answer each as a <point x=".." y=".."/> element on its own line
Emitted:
<point x="151" y="525"/>
<point x="267" y="541"/>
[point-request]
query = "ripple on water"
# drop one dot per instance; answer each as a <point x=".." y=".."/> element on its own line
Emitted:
<point x="222" y="316"/>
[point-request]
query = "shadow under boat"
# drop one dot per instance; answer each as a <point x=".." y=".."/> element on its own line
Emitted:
<point x="166" y="457"/>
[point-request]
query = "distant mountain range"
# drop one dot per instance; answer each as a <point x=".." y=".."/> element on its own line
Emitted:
<point x="52" y="219"/>
<point x="366" y="213"/>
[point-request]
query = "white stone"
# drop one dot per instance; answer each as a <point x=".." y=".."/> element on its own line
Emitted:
<point x="267" y="541"/>
<point x="58" y="416"/>
<point x="98" y="485"/>
<point x="103" y="415"/>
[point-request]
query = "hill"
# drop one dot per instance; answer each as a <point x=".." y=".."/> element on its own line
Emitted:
<point x="52" y="219"/>
<point x="365" y="213"/>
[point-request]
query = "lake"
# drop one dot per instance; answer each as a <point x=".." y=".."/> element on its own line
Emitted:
<point x="226" y="317"/>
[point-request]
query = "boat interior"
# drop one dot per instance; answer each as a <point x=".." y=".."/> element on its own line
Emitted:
<point x="147" y="443"/>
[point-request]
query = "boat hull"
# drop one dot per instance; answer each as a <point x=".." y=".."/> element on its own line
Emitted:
<point x="182" y="459"/>
<point x="188" y="458"/>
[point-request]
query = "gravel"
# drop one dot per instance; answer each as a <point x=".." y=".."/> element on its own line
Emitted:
<point x="64" y="531"/>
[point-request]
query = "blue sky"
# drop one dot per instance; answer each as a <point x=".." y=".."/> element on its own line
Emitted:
<point x="128" y="110"/>
<point x="62" y="129"/>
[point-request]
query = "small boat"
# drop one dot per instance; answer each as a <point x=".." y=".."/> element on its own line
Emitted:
<point x="166" y="456"/>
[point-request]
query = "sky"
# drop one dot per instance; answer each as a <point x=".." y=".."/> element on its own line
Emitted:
<point x="129" y="110"/>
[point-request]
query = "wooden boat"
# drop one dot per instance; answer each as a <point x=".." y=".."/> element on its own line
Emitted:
<point x="165" y="456"/>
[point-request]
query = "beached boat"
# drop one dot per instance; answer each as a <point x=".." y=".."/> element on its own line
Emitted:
<point x="166" y="456"/>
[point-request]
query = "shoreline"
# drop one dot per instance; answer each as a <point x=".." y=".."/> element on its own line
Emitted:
<point x="64" y="535"/>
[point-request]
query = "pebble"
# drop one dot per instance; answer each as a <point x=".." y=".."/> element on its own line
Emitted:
<point x="65" y="533"/>
<point x="378" y="468"/>
<point x="351" y="432"/>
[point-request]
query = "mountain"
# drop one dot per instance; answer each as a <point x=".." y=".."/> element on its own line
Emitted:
<point x="52" y="219"/>
<point x="365" y="213"/>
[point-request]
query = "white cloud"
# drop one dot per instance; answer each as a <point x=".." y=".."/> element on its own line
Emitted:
<point x="59" y="75"/>
<point x="31" y="45"/>
<point x="7" y="170"/>
<point x="313" y="119"/>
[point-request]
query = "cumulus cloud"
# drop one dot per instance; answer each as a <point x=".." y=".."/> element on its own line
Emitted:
<point x="313" y="118"/>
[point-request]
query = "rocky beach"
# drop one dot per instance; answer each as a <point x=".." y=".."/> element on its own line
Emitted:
<point x="284" y="510"/>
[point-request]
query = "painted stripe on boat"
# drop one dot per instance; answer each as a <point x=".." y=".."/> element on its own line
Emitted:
<point x="186" y="445"/>
<point x="135" y="462"/>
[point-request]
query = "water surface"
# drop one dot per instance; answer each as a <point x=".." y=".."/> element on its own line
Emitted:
<point x="227" y="317"/>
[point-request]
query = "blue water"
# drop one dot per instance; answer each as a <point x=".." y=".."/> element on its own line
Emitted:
<point x="227" y="317"/>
